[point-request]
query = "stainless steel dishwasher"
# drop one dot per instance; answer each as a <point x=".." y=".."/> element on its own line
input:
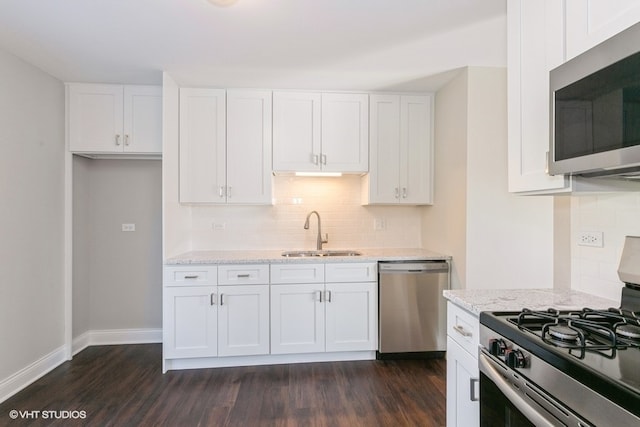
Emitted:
<point x="412" y="311"/>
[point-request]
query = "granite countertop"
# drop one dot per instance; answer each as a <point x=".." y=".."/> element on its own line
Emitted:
<point x="275" y="256"/>
<point x="478" y="300"/>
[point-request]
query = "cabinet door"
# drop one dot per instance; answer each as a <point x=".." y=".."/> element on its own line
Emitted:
<point x="296" y="132"/>
<point x="297" y="319"/>
<point x="416" y="150"/>
<point x="95" y="118"/>
<point x="345" y="132"/>
<point x="384" y="149"/>
<point x="249" y="147"/>
<point x="143" y="119"/>
<point x="243" y="320"/>
<point x="352" y="321"/>
<point x="534" y="47"/>
<point x="590" y="22"/>
<point x="463" y="407"/>
<point x="202" y="146"/>
<point x="190" y="322"/>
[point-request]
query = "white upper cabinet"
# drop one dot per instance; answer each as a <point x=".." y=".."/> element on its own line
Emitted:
<point x="296" y="131"/>
<point x="225" y="146"/>
<point x="314" y="132"/>
<point x="401" y="150"/>
<point x="345" y="132"/>
<point x="202" y="145"/>
<point x="534" y="47"/>
<point x="249" y="174"/>
<point x="590" y="22"/>
<point x="113" y="119"/>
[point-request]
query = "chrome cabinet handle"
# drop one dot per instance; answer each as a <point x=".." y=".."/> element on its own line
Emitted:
<point x="194" y="276"/>
<point x="315" y="159"/>
<point x="212" y="299"/>
<point x="472" y="389"/>
<point x="221" y="191"/>
<point x="221" y="299"/>
<point x="126" y="139"/>
<point x="319" y="296"/>
<point x="404" y="192"/>
<point x="397" y="193"/>
<point x="462" y="331"/>
<point x="243" y="276"/>
<point x="328" y="296"/>
<point x="117" y="139"/>
<point x="324" y="159"/>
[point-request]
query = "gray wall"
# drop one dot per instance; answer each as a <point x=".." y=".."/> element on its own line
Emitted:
<point x="117" y="275"/>
<point x="31" y="214"/>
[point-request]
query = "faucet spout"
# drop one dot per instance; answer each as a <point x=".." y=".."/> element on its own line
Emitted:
<point x="319" y="240"/>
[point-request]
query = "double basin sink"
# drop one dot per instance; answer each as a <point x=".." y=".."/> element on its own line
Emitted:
<point x="325" y="253"/>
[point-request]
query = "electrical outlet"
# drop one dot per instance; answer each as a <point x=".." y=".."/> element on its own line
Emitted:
<point x="591" y="238"/>
<point x="379" y="224"/>
<point x="128" y="227"/>
<point x="219" y="225"/>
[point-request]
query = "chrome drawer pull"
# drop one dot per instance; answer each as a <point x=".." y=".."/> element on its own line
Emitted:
<point x="195" y="276"/>
<point x="212" y="299"/>
<point x="462" y="331"/>
<point x="243" y="276"/>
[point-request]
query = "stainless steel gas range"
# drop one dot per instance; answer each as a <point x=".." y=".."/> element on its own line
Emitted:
<point x="564" y="368"/>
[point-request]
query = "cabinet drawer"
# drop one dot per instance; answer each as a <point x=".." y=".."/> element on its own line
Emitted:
<point x="297" y="273"/>
<point x="249" y="274"/>
<point x="351" y="272"/>
<point x="463" y="327"/>
<point x="191" y="275"/>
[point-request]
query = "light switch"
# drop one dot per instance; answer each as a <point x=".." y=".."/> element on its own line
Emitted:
<point x="128" y="227"/>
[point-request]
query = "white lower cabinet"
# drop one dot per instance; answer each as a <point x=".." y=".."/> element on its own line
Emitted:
<point x="351" y="316"/>
<point x="462" y="375"/>
<point x="297" y="318"/>
<point x="206" y="314"/>
<point x="311" y="318"/>
<point x="463" y="388"/>
<point x="336" y="310"/>
<point x="190" y="326"/>
<point x="243" y="320"/>
<point x="253" y="314"/>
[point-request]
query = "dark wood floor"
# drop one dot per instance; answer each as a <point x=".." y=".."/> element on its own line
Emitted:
<point x="124" y="386"/>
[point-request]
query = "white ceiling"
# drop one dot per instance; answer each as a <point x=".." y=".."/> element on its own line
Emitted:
<point x="323" y="44"/>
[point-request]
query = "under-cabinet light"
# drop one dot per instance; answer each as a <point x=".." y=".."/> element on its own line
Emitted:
<point x="320" y="174"/>
<point x="222" y="3"/>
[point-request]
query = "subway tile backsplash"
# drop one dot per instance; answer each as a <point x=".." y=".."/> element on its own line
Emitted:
<point x="337" y="200"/>
<point x="594" y="270"/>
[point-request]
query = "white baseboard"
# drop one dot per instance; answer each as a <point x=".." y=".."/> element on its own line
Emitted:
<point x="116" y="337"/>
<point x="31" y="373"/>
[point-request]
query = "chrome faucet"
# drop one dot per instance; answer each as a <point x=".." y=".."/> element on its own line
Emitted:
<point x="320" y="241"/>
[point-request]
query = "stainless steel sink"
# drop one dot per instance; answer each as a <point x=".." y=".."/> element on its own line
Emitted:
<point x="300" y="254"/>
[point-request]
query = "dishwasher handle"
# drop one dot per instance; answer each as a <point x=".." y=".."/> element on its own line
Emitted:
<point x="413" y="267"/>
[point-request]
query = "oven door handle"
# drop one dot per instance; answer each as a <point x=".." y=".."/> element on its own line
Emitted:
<point x="486" y="366"/>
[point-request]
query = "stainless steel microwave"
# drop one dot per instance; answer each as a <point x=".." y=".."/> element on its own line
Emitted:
<point x="595" y="110"/>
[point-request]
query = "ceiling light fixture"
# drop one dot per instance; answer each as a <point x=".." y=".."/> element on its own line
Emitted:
<point x="222" y="3"/>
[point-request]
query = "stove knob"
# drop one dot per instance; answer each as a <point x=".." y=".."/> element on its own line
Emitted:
<point x="497" y="347"/>
<point x="515" y="359"/>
